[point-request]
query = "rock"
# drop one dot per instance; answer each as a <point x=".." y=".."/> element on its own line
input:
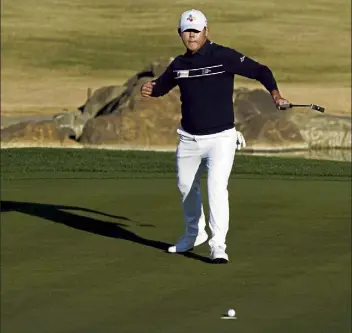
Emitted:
<point x="271" y="132"/>
<point x="323" y="131"/>
<point x="71" y="120"/>
<point x="16" y="118"/>
<point x="111" y="99"/>
<point x="328" y="154"/>
<point x="262" y="125"/>
<point x="158" y="67"/>
<point x="265" y="127"/>
<point x="150" y="72"/>
<point x="154" y="123"/>
<point x="40" y="133"/>
<point x="65" y="119"/>
<point x="118" y="115"/>
<point x="251" y="103"/>
<point x="149" y="121"/>
<point x="132" y="119"/>
<point x="103" y="101"/>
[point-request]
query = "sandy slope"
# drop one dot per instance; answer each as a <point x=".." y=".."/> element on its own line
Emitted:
<point x="50" y="94"/>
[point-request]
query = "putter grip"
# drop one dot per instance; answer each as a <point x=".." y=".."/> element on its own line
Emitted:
<point x="284" y="106"/>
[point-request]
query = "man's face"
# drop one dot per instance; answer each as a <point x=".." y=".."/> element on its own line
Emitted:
<point x="194" y="39"/>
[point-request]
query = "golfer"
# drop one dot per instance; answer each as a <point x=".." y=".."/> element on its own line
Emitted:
<point x="207" y="134"/>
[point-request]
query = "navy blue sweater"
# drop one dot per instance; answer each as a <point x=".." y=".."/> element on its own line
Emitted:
<point x="206" y="82"/>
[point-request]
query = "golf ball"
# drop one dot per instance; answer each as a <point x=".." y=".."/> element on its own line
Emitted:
<point x="231" y="313"/>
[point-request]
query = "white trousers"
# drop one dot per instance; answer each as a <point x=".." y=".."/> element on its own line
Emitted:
<point x="216" y="153"/>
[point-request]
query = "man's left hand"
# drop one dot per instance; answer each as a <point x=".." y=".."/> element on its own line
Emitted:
<point x="280" y="102"/>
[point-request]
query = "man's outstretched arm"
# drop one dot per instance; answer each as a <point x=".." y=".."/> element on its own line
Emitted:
<point x="237" y="63"/>
<point x="161" y="86"/>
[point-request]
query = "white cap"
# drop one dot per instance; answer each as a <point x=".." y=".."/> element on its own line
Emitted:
<point x="192" y="19"/>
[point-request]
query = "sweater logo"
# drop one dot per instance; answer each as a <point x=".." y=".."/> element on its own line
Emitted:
<point x="183" y="73"/>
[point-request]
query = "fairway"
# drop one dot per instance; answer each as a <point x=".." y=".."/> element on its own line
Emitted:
<point x="84" y="251"/>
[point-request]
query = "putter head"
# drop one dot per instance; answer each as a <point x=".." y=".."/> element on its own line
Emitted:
<point x="317" y="108"/>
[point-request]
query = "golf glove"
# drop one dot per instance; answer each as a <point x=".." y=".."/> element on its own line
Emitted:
<point x="241" y="142"/>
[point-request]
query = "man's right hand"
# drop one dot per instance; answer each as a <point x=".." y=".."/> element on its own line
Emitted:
<point x="147" y="89"/>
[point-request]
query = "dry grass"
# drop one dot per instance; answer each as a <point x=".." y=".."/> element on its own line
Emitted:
<point x="49" y="95"/>
<point x="53" y="50"/>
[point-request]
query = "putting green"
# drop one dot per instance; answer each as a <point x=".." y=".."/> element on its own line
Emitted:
<point x="87" y="255"/>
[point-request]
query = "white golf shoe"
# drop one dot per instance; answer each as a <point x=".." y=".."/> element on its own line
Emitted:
<point x="218" y="255"/>
<point x="187" y="243"/>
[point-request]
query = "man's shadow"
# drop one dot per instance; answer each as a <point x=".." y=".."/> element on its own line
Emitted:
<point x="58" y="214"/>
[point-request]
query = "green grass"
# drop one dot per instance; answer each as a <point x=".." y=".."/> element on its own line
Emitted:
<point x="300" y="41"/>
<point x="81" y="253"/>
<point x="88" y="163"/>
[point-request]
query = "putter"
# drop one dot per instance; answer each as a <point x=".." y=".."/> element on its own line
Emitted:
<point x="312" y="106"/>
